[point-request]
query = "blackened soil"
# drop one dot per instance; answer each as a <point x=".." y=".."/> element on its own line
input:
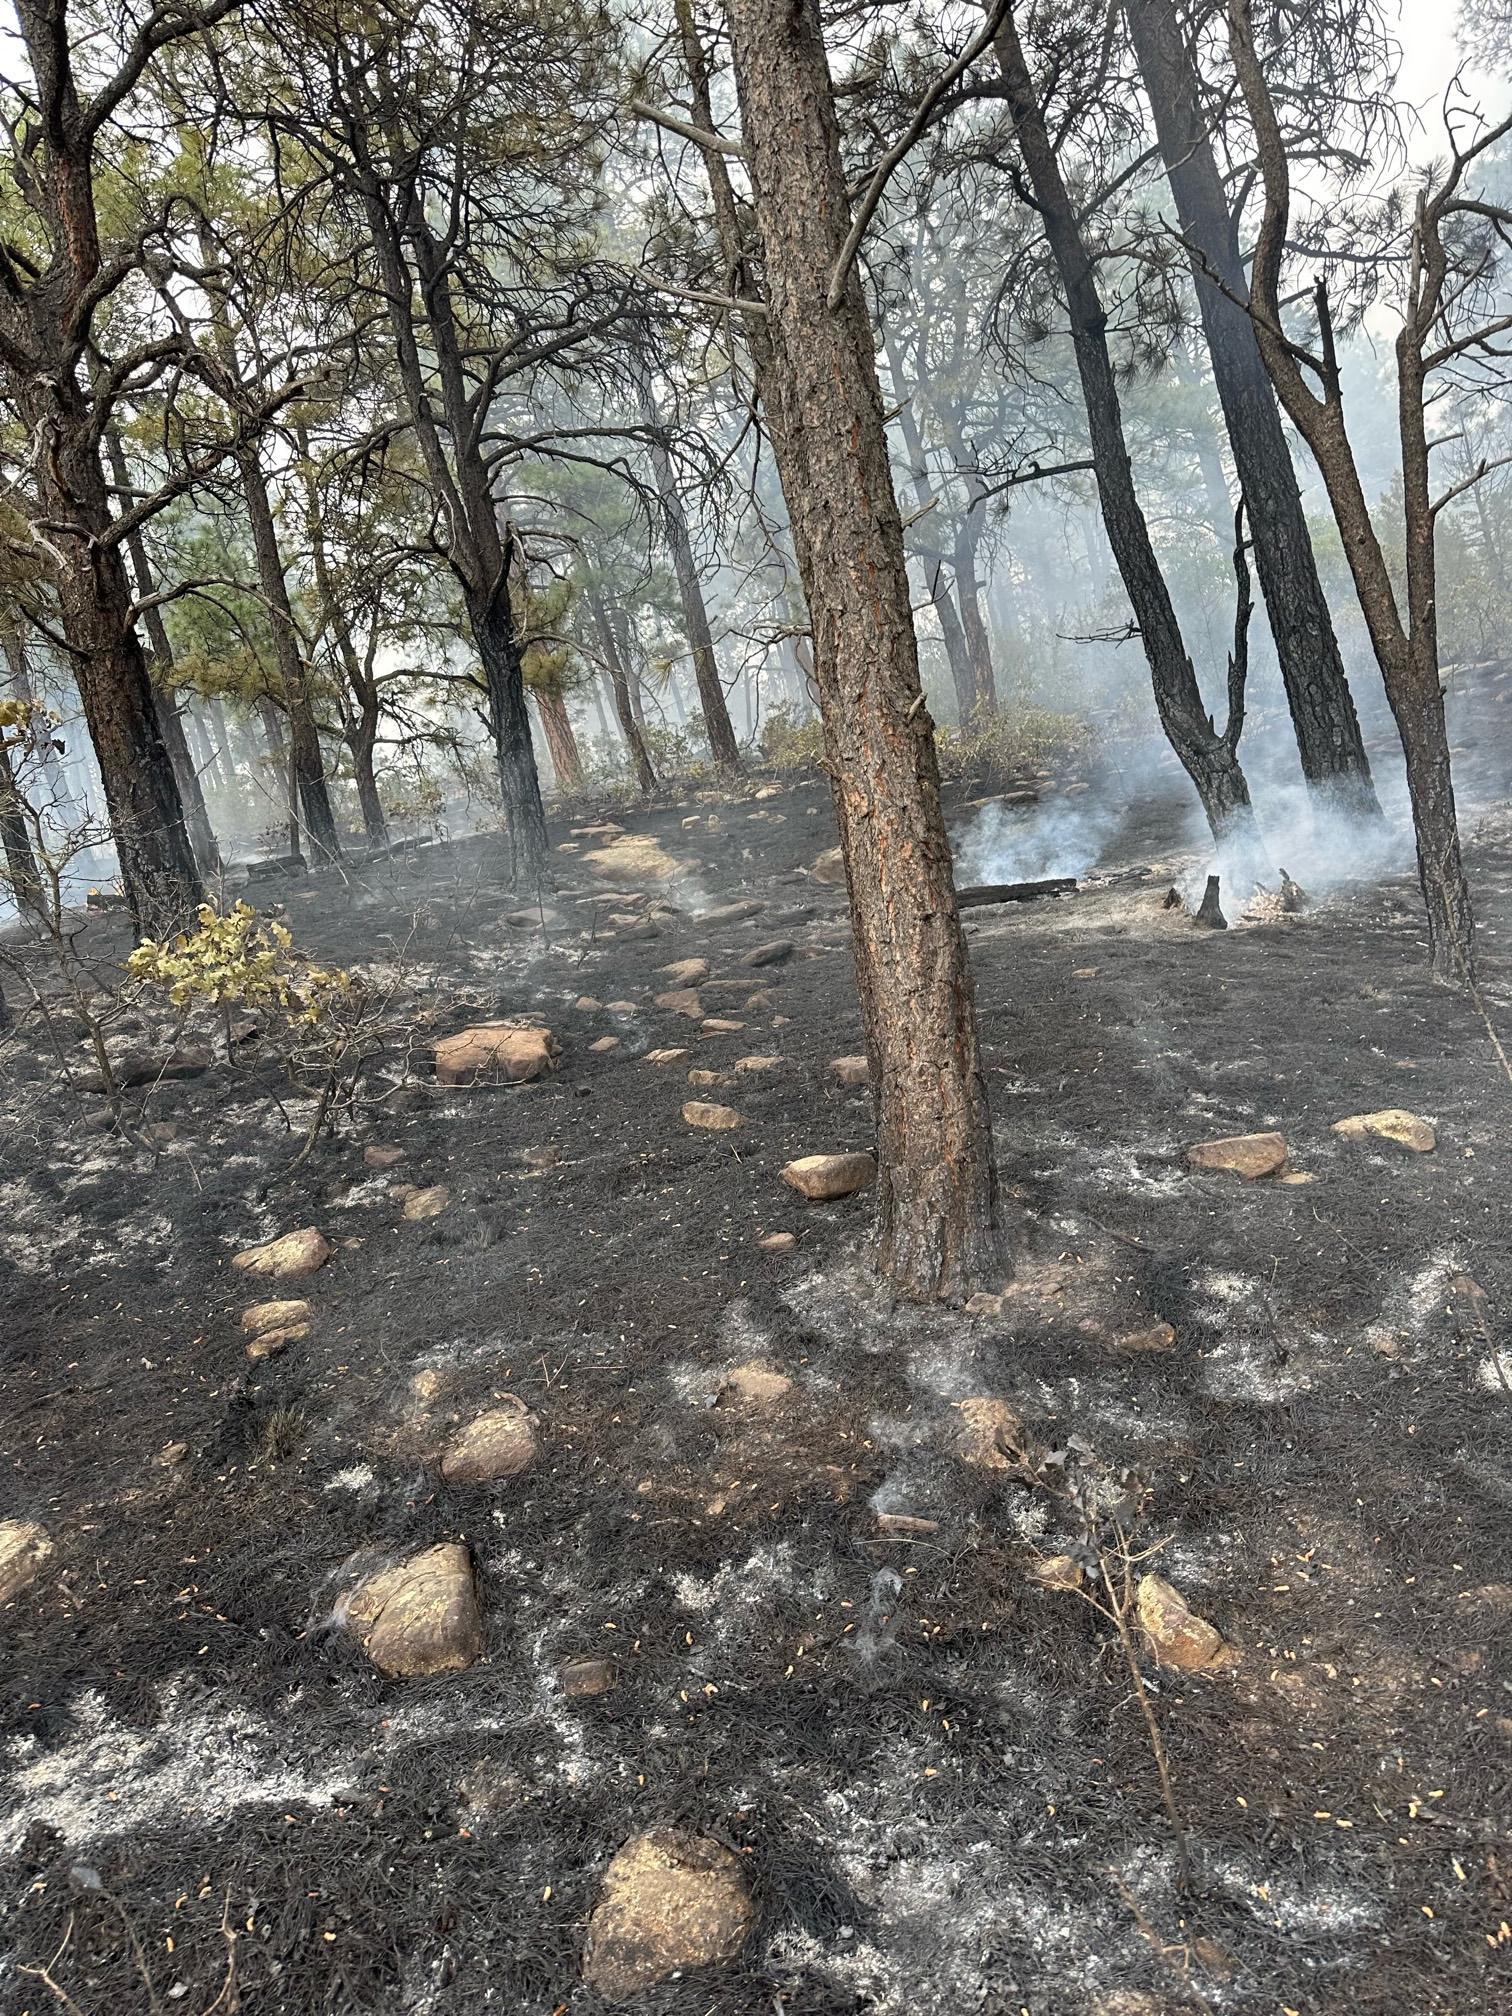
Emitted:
<point x="937" y="1774"/>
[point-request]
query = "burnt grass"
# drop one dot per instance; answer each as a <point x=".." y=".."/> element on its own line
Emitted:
<point x="935" y="1771"/>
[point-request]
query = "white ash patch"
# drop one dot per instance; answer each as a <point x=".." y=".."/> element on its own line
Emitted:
<point x="734" y="1591"/>
<point x="1298" y="1903"/>
<point x="1409" y="1305"/>
<point x="1495" y="1373"/>
<point x="108" y="1779"/>
<point x="30" y="1240"/>
<point x="357" y="1477"/>
<point x="370" y="1190"/>
<point x="1119" y="1168"/>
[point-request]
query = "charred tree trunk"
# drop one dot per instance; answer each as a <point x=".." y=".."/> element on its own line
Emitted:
<point x="283" y="770"/>
<point x="952" y="633"/>
<point x="22" y="871"/>
<point x="711" y="697"/>
<point x="566" y="759"/>
<point x="1329" y="742"/>
<point x="492" y="620"/>
<point x="1209" y="759"/>
<point x="362" y="741"/>
<point x="978" y="645"/>
<point x="635" y="742"/>
<point x="937" y="1231"/>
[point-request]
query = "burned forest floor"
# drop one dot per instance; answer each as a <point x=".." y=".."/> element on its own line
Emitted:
<point x="771" y="1570"/>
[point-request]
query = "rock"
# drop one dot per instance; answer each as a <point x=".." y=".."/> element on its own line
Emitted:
<point x="546" y="1156"/>
<point x="427" y="1203"/>
<point x="685" y="972"/>
<point x="377" y="1156"/>
<point x="422" y="1615"/>
<point x="132" y="1068"/>
<point x="851" y="1071"/>
<point x="702" y="1113"/>
<point x="582" y="1679"/>
<point x="264" y="1316"/>
<point x="24" y="1547"/>
<point x="285" y="1258"/>
<point x="670" y="1901"/>
<point x="501" y="1443"/>
<point x="983" y="1303"/>
<point x="1153" y="1337"/>
<point x="665" y="1056"/>
<point x="990" y="1433"/>
<point x="269" y="1343"/>
<point x="821" y="1178"/>
<point x="681" y="1001"/>
<point x="496" y="1053"/>
<point x="1392" y="1123"/>
<point x="693" y="822"/>
<point x="1059" y="1572"/>
<point x="1246" y="1155"/>
<point x="170" y="1455"/>
<point x="754" y="1385"/>
<point x="1292" y="1177"/>
<point x="705" y="1080"/>
<point x="624" y="1008"/>
<point x="587" y="1004"/>
<point x="721" y="1025"/>
<point x="732" y="913"/>
<point x="536" y="918"/>
<point x="772" y="954"/>
<point x="1175" y="1634"/>
<point x="604" y="1045"/>
<point x="760" y="1003"/>
<point x="766" y="792"/>
<point x="778" y="1242"/>
<point x="753" y="1066"/>
<point x="830" y="867"/>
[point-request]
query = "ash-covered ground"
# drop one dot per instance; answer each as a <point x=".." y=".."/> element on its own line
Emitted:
<point x="935" y="1774"/>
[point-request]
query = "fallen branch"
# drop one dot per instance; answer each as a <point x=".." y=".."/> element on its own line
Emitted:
<point x="1014" y="892"/>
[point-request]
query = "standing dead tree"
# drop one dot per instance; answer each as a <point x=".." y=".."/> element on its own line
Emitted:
<point x="1453" y="330"/>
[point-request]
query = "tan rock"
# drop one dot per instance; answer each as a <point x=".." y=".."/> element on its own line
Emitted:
<point x="681" y="1001"/>
<point x="671" y="1056"/>
<point x="624" y="1008"/>
<point x="705" y="1080"/>
<point x="501" y="1443"/>
<point x="670" y="1901"/>
<point x="721" y="1025"/>
<point x="427" y="1203"/>
<point x="984" y="1303"/>
<point x="686" y="972"/>
<point x="422" y="1615"/>
<point x="285" y="1258"/>
<point x="990" y="1433"/>
<point x="587" y="1004"/>
<point x="582" y="1679"/>
<point x="1392" y="1123"/>
<point x="377" y="1155"/>
<point x="778" y="1242"/>
<point x="822" y="1178"/>
<point x="753" y="1066"/>
<point x="1246" y="1155"/>
<point x="603" y="1045"/>
<point x="269" y="1343"/>
<point x="830" y="867"/>
<point x="1175" y="1634"/>
<point x="263" y="1316"/>
<point x="1060" y="1572"/>
<point x="1152" y="1337"/>
<point x="754" y="1385"/>
<point x="703" y="1113"/>
<point x="851" y="1071"/>
<point x="1294" y="1177"/>
<point x="496" y="1053"/>
<point x="24" y="1548"/>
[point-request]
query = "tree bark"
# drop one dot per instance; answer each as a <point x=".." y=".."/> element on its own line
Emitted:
<point x="952" y="634"/>
<point x="492" y="620"/>
<point x="566" y="759"/>
<point x="22" y="871"/>
<point x="635" y="742"/>
<point x="1209" y="759"/>
<point x="711" y="697"/>
<point x="937" y="1230"/>
<point x="1329" y="741"/>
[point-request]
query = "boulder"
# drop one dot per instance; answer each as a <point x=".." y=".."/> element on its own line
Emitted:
<point x="501" y="1443"/>
<point x="772" y="954"/>
<point x="721" y="1025"/>
<point x="269" y="1343"/>
<point x="821" y="1178"/>
<point x="1246" y="1155"/>
<point x="265" y="1316"/>
<point x="685" y="972"/>
<point x="670" y="1056"/>
<point x="754" y="1066"/>
<point x="379" y="1156"/>
<point x="286" y="1258"/>
<point x="24" y="1547"/>
<point x="681" y="1001"/>
<point x="624" y="1008"/>
<point x="496" y="1053"/>
<point x="1392" y="1123"/>
<point x="732" y="913"/>
<point x="422" y="1615"/>
<point x="670" y="1901"/>
<point x="851" y="1071"/>
<point x="587" y="1004"/>
<point x="427" y="1203"/>
<point x="704" y="1113"/>
<point x="706" y="1080"/>
<point x="778" y="1242"/>
<point x="830" y="867"/>
<point x="603" y="1045"/>
<point x="1175" y="1634"/>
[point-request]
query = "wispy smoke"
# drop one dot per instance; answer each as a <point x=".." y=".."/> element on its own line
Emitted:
<point x="1033" y="843"/>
